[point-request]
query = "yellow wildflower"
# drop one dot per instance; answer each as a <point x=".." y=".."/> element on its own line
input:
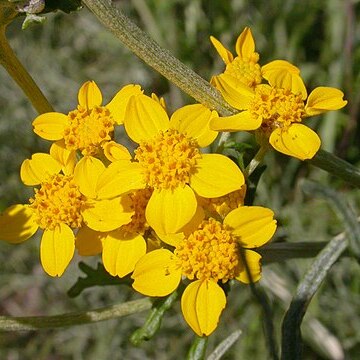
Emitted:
<point x="213" y="253"/>
<point x="91" y="125"/>
<point x="276" y="109"/>
<point x="59" y="208"/>
<point x="123" y="247"/>
<point x="169" y="161"/>
<point x="279" y="110"/>
<point x="244" y="67"/>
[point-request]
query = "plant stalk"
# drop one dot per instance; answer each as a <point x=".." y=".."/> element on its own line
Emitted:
<point x="16" y="70"/>
<point x="9" y="323"/>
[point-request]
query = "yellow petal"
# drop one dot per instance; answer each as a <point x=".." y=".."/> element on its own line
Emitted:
<point x="107" y="215"/>
<point x="50" y="126"/>
<point x="89" y="95"/>
<point x="17" y="224"/>
<point x="35" y="170"/>
<point x="88" y="242"/>
<point x="245" y="45"/>
<point x="242" y="121"/>
<point x="253" y="266"/>
<point x="114" y="151"/>
<point x="86" y="175"/>
<point x="201" y="304"/>
<point x="289" y="80"/>
<point x="233" y="91"/>
<point x="169" y="210"/>
<point x="255" y="225"/>
<point x="171" y="239"/>
<point x="193" y="120"/>
<point x="117" y="105"/>
<point x="276" y="65"/>
<point x="120" y="177"/>
<point x="216" y="175"/>
<point x="298" y="141"/>
<point x="144" y="118"/>
<point x="224" y="53"/>
<point x="323" y="99"/>
<point x="156" y="273"/>
<point x="121" y="252"/>
<point x="57" y="249"/>
<point x="194" y="223"/>
<point x="67" y="158"/>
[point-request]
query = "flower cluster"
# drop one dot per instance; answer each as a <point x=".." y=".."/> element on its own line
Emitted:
<point x="169" y="211"/>
<point x="272" y="99"/>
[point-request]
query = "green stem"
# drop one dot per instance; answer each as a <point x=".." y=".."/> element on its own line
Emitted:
<point x="158" y="58"/>
<point x="258" y="158"/>
<point x="19" y="74"/>
<point x="336" y="166"/>
<point x="9" y="323"/>
<point x="198" y="349"/>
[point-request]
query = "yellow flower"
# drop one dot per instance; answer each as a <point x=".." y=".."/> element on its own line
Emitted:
<point x="214" y="253"/>
<point x="279" y="108"/>
<point x="59" y="208"/>
<point x="275" y="109"/>
<point x="91" y="125"/>
<point x="123" y="247"/>
<point x="169" y="161"/>
<point x="244" y="67"/>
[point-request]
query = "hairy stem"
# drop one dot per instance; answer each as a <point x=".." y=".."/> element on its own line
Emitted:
<point x="9" y="323"/>
<point x="157" y="57"/>
<point x="16" y="70"/>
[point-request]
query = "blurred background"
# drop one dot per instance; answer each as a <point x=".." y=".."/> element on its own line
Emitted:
<point x="321" y="37"/>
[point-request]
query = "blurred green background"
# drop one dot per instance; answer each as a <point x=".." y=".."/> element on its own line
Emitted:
<point x="321" y="37"/>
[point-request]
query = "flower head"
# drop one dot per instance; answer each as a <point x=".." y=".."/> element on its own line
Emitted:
<point x="244" y="67"/>
<point x="89" y="127"/>
<point x="211" y="254"/>
<point x="59" y="208"/>
<point x="169" y="161"/>
<point x="278" y="109"/>
<point x="275" y="109"/>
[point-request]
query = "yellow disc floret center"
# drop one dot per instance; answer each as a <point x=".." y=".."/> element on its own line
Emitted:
<point x="210" y="252"/>
<point x="247" y="70"/>
<point x="58" y="201"/>
<point x="219" y="207"/>
<point x="88" y="129"/>
<point x="139" y="201"/>
<point x="277" y="108"/>
<point x="168" y="160"/>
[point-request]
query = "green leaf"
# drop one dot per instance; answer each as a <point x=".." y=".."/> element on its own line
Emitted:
<point x="291" y="332"/>
<point x="224" y="346"/>
<point x="95" y="277"/>
<point x="154" y="319"/>
<point x="198" y="349"/>
<point x="281" y="251"/>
